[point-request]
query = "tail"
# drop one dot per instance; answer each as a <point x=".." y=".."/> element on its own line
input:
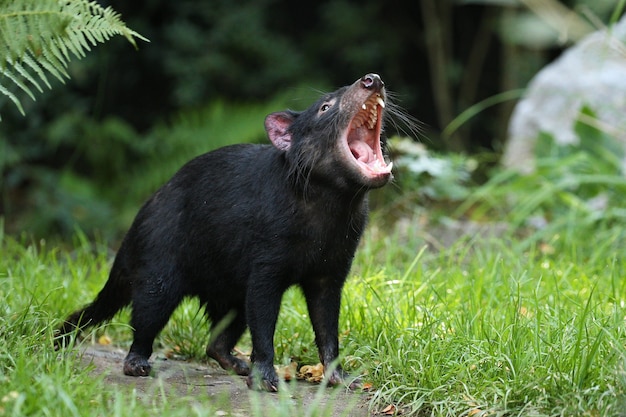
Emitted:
<point x="115" y="295"/>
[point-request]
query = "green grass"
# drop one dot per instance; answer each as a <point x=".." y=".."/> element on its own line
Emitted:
<point x="516" y="325"/>
<point x="485" y="326"/>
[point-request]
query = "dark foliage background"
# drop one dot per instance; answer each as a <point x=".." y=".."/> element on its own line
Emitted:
<point x="89" y="152"/>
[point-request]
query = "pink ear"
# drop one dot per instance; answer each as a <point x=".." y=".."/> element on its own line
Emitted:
<point x="277" y="127"/>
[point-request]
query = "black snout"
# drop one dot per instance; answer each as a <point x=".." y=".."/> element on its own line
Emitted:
<point x="372" y="81"/>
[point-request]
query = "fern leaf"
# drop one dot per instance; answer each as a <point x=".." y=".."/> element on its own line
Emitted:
<point x="18" y="81"/>
<point x="40" y="36"/>
<point x="32" y="64"/>
<point x="25" y="74"/>
<point x="54" y="66"/>
<point x="12" y="97"/>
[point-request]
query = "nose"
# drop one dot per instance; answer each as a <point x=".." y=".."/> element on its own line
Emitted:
<point x="370" y="81"/>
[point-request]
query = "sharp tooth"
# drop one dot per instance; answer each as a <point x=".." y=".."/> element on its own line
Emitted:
<point x="364" y="107"/>
<point x="380" y="101"/>
<point x="390" y="166"/>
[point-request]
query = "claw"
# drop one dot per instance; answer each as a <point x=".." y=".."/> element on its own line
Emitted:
<point x="136" y="365"/>
<point x="263" y="385"/>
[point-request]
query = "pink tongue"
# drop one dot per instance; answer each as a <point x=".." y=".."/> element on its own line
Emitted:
<point x="361" y="151"/>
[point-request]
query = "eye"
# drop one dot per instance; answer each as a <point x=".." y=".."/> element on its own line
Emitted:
<point x="325" y="107"/>
<point x="327" y="104"/>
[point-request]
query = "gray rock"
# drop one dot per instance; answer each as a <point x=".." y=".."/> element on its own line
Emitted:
<point x="592" y="73"/>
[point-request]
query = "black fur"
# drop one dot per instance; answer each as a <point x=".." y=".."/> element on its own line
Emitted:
<point x="237" y="226"/>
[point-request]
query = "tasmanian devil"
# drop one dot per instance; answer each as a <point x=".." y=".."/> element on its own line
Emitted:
<point x="238" y="226"/>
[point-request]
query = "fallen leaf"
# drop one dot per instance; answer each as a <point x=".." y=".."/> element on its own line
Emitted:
<point x="390" y="410"/>
<point x="104" y="340"/>
<point x="287" y="372"/>
<point x="312" y="373"/>
<point x="367" y="386"/>
<point x="475" y="412"/>
<point x="173" y="353"/>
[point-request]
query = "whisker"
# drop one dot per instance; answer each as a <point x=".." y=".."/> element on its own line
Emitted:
<point x="402" y="121"/>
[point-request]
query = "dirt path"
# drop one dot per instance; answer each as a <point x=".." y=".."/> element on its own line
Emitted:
<point x="207" y="382"/>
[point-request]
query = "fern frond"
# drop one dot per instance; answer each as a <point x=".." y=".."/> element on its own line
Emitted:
<point x="38" y="37"/>
<point x="12" y="97"/>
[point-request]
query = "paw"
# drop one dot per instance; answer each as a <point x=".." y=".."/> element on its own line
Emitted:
<point x="263" y="381"/>
<point x="340" y="377"/>
<point x="136" y="365"/>
<point x="240" y="367"/>
<point x="230" y="362"/>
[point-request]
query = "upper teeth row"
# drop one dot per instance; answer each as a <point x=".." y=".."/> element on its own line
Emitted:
<point x="379" y="101"/>
<point x="373" y="114"/>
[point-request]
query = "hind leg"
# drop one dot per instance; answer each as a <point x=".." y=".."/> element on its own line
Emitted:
<point x="152" y="308"/>
<point x="223" y="343"/>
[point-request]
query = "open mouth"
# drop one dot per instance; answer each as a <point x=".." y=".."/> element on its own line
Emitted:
<point x="363" y="139"/>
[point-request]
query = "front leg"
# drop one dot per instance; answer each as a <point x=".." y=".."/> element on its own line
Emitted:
<point x="262" y="307"/>
<point x="323" y="297"/>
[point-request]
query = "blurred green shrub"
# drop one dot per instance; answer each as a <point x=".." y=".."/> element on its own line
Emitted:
<point x="584" y="181"/>
<point x="429" y="176"/>
<point x="113" y="168"/>
<point x="122" y="133"/>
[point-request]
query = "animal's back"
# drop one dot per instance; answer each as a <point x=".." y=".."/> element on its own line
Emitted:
<point x="204" y="222"/>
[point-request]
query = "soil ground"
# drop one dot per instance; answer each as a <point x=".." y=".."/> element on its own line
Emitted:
<point x="203" y="382"/>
